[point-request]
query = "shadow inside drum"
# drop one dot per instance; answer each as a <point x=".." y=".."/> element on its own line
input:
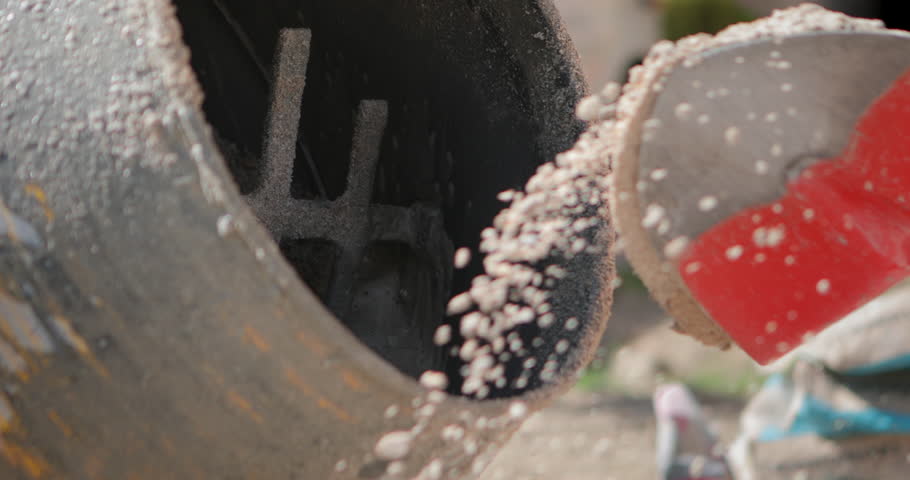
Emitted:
<point x="371" y="138"/>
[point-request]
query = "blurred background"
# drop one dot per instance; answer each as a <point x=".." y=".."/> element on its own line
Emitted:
<point x="604" y="428"/>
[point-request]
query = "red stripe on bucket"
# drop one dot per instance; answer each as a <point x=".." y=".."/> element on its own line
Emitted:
<point x="838" y="238"/>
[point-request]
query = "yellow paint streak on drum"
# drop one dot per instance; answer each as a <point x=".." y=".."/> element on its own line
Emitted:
<point x="313" y="344"/>
<point x="25" y="460"/>
<point x="321" y="401"/>
<point x="252" y="336"/>
<point x="241" y="403"/>
<point x="60" y="424"/>
<point x="353" y="380"/>
<point x="39" y="195"/>
<point x="79" y="344"/>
